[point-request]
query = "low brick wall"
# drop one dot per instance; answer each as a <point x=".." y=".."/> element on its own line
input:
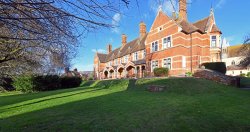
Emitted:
<point x="217" y="77"/>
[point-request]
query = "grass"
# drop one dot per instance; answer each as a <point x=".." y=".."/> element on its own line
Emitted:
<point x="187" y="104"/>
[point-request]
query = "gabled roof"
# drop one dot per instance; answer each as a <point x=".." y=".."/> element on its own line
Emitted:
<point x="233" y="51"/>
<point x="131" y="47"/>
<point x="215" y="29"/>
<point x="188" y="27"/>
<point x="102" y="57"/>
<point x="202" y="24"/>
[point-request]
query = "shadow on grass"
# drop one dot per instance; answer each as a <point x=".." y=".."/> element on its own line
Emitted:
<point x="47" y="99"/>
<point x="128" y="111"/>
<point x="139" y="111"/>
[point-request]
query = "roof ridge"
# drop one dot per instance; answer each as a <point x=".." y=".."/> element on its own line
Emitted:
<point x="201" y="20"/>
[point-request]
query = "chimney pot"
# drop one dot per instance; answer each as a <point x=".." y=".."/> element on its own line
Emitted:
<point x="109" y="48"/>
<point x="143" y="29"/>
<point x="124" y="40"/>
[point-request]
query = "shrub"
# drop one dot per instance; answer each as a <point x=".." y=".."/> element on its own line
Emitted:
<point x="216" y="66"/>
<point x="6" y="84"/>
<point x="160" y="72"/>
<point x="47" y="82"/>
<point x="70" y="82"/>
<point x="24" y="83"/>
<point x="243" y="75"/>
<point x="91" y="78"/>
<point x="189" y="74"/>
<point x="248" y="74"/>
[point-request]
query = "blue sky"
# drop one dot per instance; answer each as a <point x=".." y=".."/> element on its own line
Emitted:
<point x="232" y="17"/>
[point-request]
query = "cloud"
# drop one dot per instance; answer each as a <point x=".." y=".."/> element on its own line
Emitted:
<point x="220" y="4"/>
<point x="115" y="22"/>
<point x="98" y="50"/>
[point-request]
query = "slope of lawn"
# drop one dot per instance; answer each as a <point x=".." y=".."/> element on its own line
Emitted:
<point x="187" y="104"/>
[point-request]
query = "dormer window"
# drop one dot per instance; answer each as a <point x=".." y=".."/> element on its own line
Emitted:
<point x="213" y="41"/>
<point x="159" y="29"/>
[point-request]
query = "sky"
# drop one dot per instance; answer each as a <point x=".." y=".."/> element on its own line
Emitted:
<point x="231" y="16"/>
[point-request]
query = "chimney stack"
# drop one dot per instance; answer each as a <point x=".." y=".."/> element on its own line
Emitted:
<point x="109" y="48"/>
<point x="124" y="40"/>
<point x="174" y="15"/>
<point x="143" y="29"/>
<point x="183" y="9"/>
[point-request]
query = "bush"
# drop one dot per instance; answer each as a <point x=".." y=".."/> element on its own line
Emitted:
<point x="248" y="74"/>
<point x="6" y="84"/>
<point x="189" y="74"/>
<point x="216" y="66"/>
<point x="160" y="72"/>
<point x="45" y="83"/>
<point x="24" y="83"/>
<point x="243" y="75"/>
<point x="70" y="82"/>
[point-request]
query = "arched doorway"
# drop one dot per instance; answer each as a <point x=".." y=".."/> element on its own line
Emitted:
<point x="120" y="72"/>
<point x="111" y="73"/>
<point x="130" y="71"/>
<point x="106" y="74"/>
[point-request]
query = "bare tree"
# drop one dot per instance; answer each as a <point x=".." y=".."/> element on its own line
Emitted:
<point x="37" y="35"/>
<point x="245" y="51"/>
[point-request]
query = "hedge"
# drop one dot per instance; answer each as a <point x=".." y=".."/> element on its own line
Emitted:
<point x="248" y="74"/>
<point x="160" y="72"/>
<point x="30" y="83"/>
<point x="216" y="66"/>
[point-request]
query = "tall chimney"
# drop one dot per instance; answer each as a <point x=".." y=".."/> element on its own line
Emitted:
<point x="183" y="9"/>
<point x="174" y="15"/>
<point x="142" y="29"/>
<point x="124" y="40"/>
<point x="109" y="48"/>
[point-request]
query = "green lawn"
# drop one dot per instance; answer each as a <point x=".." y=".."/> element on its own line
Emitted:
<point x="187" y="104"/>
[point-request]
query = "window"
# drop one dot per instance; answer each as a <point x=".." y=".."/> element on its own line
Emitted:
<point x="167" y="63"/>
<point x="166" y="42"/>
<point x="135" y="56"/>
<point x="144" y="53"/>
<point x="183" y="61"/>
<point x="116" y="62"/>
<point x="154" y="65"/>
<point x="110" y="63"/>
<point x="213" y="41"/>
<point x="233" y="63"/>
<point x="154" y="46"/>
<point x="125" y="58"/>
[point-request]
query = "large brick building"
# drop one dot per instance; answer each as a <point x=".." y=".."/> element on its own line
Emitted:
<point x="171" y="42"/>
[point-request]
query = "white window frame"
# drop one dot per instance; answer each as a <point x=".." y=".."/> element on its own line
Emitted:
<point x="171" y="42"/>
<point x="171" y="62"/>
<point x="135" y="58"/>
<point x="152" y="62"/>
<point x="153" y="49"/>
<point x="144" y="53"/>
<point x="116" y="62"/>
<point x="211" y="41"/>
